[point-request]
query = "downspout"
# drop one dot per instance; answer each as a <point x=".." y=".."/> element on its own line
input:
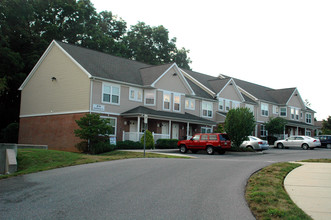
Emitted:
<point x="91" y="88"/>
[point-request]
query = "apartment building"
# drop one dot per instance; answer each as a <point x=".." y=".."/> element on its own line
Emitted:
<point x="69" y="81"/>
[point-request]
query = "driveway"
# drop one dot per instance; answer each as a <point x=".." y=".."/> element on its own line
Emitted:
<point x="209" y="187"/>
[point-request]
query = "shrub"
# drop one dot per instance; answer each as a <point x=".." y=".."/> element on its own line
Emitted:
<point x="82" y="146"/>
<point x="10" y="133"/>
<point x="166" y="143"/>
<point x="129" y="145"/>
<point x="102" y="147"/>
<point x="149" y="140"/>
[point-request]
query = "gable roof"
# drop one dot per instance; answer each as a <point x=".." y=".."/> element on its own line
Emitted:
<point x="106" y="66"/>
<point x="281" y="96"/>
<point x="152" y="73"/>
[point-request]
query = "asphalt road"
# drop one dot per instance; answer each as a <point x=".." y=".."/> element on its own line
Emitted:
<point x="209" y="187"/>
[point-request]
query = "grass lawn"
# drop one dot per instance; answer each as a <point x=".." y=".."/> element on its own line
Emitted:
<point x="266" y="196"/>
<point x="34" y="160"/>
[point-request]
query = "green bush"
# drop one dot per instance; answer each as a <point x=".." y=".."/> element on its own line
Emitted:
<point x="82" y="146"/>
<point x="102" y="147"/>
<point x="10" y="133"/>
<point x="166" y="143"/>
<point x="129" y="145"/>
<point x="149" y="140"/>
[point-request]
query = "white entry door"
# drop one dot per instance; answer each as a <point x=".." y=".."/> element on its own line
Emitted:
<point x="133" y="136"/>
<point x="175" y="131"/>
<point x="165" y="130"/>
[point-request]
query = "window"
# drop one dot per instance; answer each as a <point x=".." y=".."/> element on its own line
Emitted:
<point x="149" y="97"/>
<point x="207" y="109"/>
<point x="235" y="104"/>
<point x="204" y="137"/>
<point x="308" y="118"/>
<point x="110" y="93"/>
<point x="112" y="123"/>
<point x="205" y="130"/>
<point x="264" y="109"/>
<point x="135" y="94"/>
<point x="263" y="131"/>
<point x="283" y="111"/>
<point x="213" y="137"/>
<point x="301" y="115"/>
<point x="166" y="100"/>
<point x="297" y="112"/>
<point x="308" y="133"/>
<point x="196" y="137"/>
<point x="251" y="108"/>
<point x="227" y="105"/>
<point x="221" y="104"/>
<point x="176" y="102"/>
<point x="189" y="104"/>
<point x="292" y="113"/>
<point x="275" y="110"/>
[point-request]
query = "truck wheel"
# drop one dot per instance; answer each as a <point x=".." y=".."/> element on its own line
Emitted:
<point x="210" y="150"/>
<point x="182" y="149"/>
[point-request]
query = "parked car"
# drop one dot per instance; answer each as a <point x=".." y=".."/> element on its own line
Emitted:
<point x="210" y="142"/>
<point x="255" y="143"/>
<point x="325" y="140"/>
<point x="305" y="142"/>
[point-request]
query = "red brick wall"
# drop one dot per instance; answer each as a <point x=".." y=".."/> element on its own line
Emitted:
<point x="56" y="131"/>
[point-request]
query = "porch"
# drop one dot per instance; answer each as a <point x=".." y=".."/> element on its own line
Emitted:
<point x="165" y="125"/>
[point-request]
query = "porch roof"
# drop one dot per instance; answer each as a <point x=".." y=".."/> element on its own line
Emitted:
<point x="300" y="124"/>
<point x="163" y="115"/>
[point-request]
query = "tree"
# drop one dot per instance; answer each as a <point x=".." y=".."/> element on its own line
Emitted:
<point x="326" y="126"/>
<point x="94" y="131"/>
<point x="220" y="128"/>
<point x="152" y="45"/>
<point x="149" y="140"/>
<point x="275" y="125"/>
<point x="239" y="123"/>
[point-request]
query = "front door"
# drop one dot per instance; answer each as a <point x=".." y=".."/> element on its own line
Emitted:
<point x="175" y="131"/>
<point x="165" y="129"/>
<point x="133" y="135"/>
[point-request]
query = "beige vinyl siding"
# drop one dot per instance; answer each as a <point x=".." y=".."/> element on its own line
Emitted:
<point x="229" y="92"/>
<point x="70" y="91"/>
<point x="172" y="83"/>
<point x="295" y="102"/>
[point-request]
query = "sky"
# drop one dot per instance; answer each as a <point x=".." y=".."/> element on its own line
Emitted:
<point x="278" y="44"/>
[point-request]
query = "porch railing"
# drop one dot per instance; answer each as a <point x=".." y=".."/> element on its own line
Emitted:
<point x="136" y="136"/>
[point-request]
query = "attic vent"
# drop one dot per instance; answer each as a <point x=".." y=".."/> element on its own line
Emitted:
<point x="175" y="74"/>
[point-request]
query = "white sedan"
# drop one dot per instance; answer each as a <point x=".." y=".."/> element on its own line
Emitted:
<point x="305" y="142"/>
<point x="255" y="143"/>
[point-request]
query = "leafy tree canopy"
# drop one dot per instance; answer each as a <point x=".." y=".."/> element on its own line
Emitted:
<point x="275" y="125"/>
<point x="326" y="126"/>
<point x="27" y="28"/>
<point x="239" y="124"/>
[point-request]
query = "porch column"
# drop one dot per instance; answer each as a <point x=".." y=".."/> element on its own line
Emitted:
<point x="138" y="127"/>
<point x="170" y="135"/>
<point x="297" y="131"/>
<point x="284" y="132"/>
<point x="305" y="131"/>
<point x="187" y="130"/>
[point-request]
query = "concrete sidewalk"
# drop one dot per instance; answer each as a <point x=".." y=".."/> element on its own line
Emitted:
<point x="309" y="186"/>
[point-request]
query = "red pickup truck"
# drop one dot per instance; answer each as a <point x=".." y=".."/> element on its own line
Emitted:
<point x="210" y="142"/>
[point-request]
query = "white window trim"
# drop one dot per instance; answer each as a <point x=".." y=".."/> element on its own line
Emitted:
<point x="311" y="120"/>
<point x="166" y="93"/>
<point x="136" y="90"/>
<point x="206" y="128"/>
<point x="265" y="131"/>
<point x="281" y="111"/>
<point x="235" y="103"/>
<point x="264" y="115"/>
<point x="227" y="101"/>
<point x="173" y="101"/>
<point x="202" y="104"/>
<point x="189" y="103"/>
<point x="250" y="107"/>
<point x="295" y="113"/>
<point x="111" y="88"/>
<point x="115" y="130"/>
<point x="154" y="91"/>
<point x="221" y="100"/>
<point x="275" y="109"/>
